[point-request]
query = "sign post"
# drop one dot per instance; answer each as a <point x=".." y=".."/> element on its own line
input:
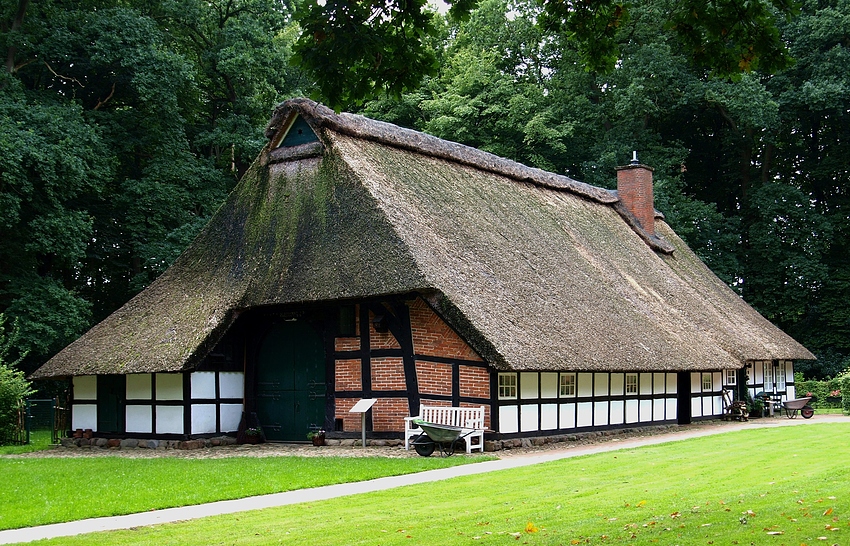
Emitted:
<point x="361" y="407"/>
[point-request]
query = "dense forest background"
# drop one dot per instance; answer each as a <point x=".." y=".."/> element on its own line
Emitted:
<point x="123" y="125"/>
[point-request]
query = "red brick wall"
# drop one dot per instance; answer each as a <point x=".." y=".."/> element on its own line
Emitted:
<point x="379" y="340"/>
<point x="433" y="337"/>
<point x="388" y="374"/>
<point x="347" y="344"/>
<point x="350" y="421"/>
<point x="474" y="382"/>
<point x="388" y="414"/>
<point x="348" y="375"/>
<point x="434" y="378"/>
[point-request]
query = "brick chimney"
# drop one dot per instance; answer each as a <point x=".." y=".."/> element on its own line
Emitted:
<point x="634" y="186"/>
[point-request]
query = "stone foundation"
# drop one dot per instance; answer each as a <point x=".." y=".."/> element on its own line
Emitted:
<point x="132" y="443"/>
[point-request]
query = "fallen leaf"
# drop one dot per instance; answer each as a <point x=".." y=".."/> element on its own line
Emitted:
<point x="531" y="528"/>
<point x="827" y="512"/>
<point x="641" y="503"/>
<point x="675" y="515"/>
<point x="776" y="532"/>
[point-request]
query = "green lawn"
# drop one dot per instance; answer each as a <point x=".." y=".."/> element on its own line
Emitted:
<point x="37" y="491"/>
<point x="783" y="486"/>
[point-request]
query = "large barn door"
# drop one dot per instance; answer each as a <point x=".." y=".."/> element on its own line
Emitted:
<point x="291" y="381"/>
<point x="683" y="387"/>
<point x="111" y="401"/>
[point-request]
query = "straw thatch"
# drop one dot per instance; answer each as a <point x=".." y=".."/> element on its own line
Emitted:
<point x="535" y="270"/>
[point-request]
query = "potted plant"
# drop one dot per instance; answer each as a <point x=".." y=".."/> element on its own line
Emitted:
<point x="317" y="437"/>
<point x="253" y="435"/>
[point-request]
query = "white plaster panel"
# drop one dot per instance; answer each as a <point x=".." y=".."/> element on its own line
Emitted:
<point x="585" y="384"/>
<point x="85" y="388"/>
<point x="716" y="379"/>
<point x="508" y="419"/>
<point x="672" y="383"/>
<point x="645" y="411"/>
<point x="231" y="384"/>
<point x="718" y="405"/>
<point x="645" y="383"/>
<point x="658" y="383"/>
<point x="203" y="386"/>
<point x="600" y="414"/>
<point x="757" y="372"/>
<point x="792" y="392"/>
<point x="696" y="382"/>
<point x="600" y="384"/>
<point x="529" y="417"/>
<point x="631" y="411"/>
<point x="548" y="416"/>
<point x="617" y="384"/>
<point x="618" y="410"/>
<point x="567" y="415"/>
<point x="707" y="406"/>
<point x="528" y="386"/>
<point x="672" y="408"/>
<point x="203" y="418"/>
<point x="84" y="415"/>
<point x="696" y="406"/>
<point x="548" y="385"/>
<point x="138" y="387"/>
<point x="789" y="371"/>
<point x="584" y="414"/>
<point x="169" y="386"/>
<point x="658" y="409"/>
<point x="139" y="419"/>
<point x="231" y="414"/>
<point x="169" y="420"/>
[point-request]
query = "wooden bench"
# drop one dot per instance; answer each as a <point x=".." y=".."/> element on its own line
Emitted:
<point x="471" y="420"/>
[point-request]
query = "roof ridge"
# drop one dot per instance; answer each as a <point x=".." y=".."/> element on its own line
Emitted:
<point x="320" y="116"/>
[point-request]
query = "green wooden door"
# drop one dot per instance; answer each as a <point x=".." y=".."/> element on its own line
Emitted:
<point x="291" y="381"/>
<point x="111" y="402"/>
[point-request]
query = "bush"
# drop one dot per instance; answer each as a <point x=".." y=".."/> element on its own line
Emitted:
<point x="13" y="389"/>
<point x="845" y="393"/>
<point x="820" y="391"/>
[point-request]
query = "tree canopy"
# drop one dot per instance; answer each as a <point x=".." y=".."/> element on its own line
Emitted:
<point x="124" y="124"/>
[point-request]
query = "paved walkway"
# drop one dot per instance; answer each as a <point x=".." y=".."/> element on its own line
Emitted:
<point x="517" y="459"/>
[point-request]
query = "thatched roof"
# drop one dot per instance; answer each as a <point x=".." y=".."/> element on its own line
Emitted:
<point x="536" y="270"/>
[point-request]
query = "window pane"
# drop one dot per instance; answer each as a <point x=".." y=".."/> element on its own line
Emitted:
<point x="568" y="384"/>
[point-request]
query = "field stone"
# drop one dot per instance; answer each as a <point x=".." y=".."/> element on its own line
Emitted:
<point x="129" y="443"/>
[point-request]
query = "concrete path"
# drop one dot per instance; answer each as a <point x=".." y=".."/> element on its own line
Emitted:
<point x="531" y="457"/>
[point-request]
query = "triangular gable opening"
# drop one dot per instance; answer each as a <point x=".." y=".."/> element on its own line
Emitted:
<point x="298" y="132"/>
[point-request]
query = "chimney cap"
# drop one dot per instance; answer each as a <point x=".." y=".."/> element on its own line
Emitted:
<point x="634" y="160"/>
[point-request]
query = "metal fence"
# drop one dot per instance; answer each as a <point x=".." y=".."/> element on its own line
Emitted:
<point x="41" y="421"/>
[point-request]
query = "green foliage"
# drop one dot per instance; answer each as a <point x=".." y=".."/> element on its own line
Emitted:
<point x="845" y="393"/>
<point x="13" y="389"/>
<point x="820" y="391"/>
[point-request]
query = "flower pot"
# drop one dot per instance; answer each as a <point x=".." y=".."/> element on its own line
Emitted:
<point x="318" y="440"/>
<point x="252" y="439"/>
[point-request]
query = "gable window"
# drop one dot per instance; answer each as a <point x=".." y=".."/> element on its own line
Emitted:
<point x="731" y="377"/>
<point x="507" y="386"/>
<point x="707" y="384"/>
<point x="631" y="383"/>
<point x="568" y="384"/>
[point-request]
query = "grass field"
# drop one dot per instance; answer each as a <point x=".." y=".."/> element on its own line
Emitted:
<point x="783" y="486"/>
<point x="37" y="491"/>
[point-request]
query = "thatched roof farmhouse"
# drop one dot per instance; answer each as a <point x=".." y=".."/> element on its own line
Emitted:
<point x="521" y="271"/>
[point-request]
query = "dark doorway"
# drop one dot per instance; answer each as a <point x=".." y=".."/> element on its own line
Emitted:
<point x="291" y="381"/>
<point x="683" y="388"/>
<point x="111" y="402"/>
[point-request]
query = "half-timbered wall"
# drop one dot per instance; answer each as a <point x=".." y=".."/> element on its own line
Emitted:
<point x="775" y="377"/>
<point x="162" y="404"/>
<point x="545" y="402"/>
<point x="407" y="358"/>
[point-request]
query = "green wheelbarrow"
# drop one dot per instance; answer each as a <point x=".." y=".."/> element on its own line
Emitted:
<point x="444" y="437"/>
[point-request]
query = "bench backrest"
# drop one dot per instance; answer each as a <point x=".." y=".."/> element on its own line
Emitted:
<point x="452" y="416"/>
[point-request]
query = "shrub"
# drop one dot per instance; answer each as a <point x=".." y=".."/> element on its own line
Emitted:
<point x="820" y="391"/>
<point x="845" y="393"/>
<point x="13" y="389"/>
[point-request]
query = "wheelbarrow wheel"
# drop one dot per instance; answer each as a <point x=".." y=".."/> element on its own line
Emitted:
<point x="425" y="449"/>
<point x="807" y="412"/>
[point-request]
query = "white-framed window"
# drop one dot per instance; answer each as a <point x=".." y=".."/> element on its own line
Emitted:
<point x="507" y="386"/>
<point x="731" y="377"/>
<point x="631" y="383"/>
<point x="768" y="376"/>
<point x="707" y="384"/>
<point x="567" y="385"/>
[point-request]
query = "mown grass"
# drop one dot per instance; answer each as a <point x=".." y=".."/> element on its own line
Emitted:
<point x="783" y="486"/>
<point x="39" y="441"/>
<point x="38" y="491"/>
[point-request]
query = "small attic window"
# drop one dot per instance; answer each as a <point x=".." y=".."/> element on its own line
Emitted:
<point x="299" y="132"/>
